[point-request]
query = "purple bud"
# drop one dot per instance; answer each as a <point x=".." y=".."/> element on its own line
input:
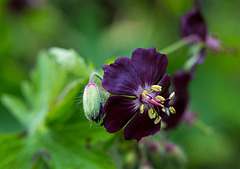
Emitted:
<point x="155" y="151"/>
<point x="145" y="165"/>
<point x="190" y="117"/>
<point x="177" y="158"/>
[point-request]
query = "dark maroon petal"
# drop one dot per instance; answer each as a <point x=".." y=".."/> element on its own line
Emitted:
<point x="149" y="64"/>
<point x="120" y="77"/>
<point x="180" y="102"/>
<point x="140" y="126"/>
<point x="119" y="110"/>
<point x="194" y="24"/>
<point x="165" y="83"/>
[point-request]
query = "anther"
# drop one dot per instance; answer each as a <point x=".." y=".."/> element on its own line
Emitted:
<point x="159" y="98"/>
<point x="157" y="120"/>
<point x="156" y="88"/>
<point x="172" y="95"/>
<point x="172" y="110"/>
<point x="142" y="108"/>
<point x="144" y="94"/>
<point x="166" y="110"/>
<point x="151" y="114"/>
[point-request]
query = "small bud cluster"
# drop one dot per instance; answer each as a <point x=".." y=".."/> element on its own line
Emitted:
<point x="161" y="155"/>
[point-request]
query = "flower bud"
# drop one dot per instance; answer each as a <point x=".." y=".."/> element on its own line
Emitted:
<point x="145" y="165"/>
<point x="166" y="156"/>
<point x="190" y="117"/>
<point x="156" y="154"/>
<point x="176" y="156"/>
<point x="130" y="160"/>
<point x="92" y="102"/>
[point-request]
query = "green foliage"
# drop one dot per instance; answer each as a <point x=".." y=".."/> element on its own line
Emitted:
<point x="56" y="133"/>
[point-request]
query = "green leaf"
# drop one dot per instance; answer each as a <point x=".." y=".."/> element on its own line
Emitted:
<point x="10" y="147"/>
<point x="48" y="80"/>
<point x="16" y="107"/>
<point x="79" y="157"/>
<point x="68" y="105"/>
<point x="71" y="61"/>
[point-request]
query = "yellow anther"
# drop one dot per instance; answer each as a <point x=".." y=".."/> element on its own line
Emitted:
<point x="142" y="108"/>
<point x="172" y="110"/>
<point x="151" y="114"/>
<point x="159" y="98"/>
<point x="172" y="95"/>
<point x="144" y="94"/>
<point x="163" y="110"/>
<point x="156" y="88"/>
<point x="157" y="120"/>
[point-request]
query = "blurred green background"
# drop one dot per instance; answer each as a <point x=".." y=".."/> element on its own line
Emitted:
<point x="102" y="29"/>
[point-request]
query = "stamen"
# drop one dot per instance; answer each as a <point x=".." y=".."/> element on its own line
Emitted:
<point x="144" y="94"/>
<point x="172" y="110"/>
<point x="159" y="98"/>
<point x="166" y="110"/>
<point x="142" y="108"/>
<point x="151" y="114"/>
<point x="156" y="88"/>
<point x="172" y="95"/>
<point x="157" y="120"/>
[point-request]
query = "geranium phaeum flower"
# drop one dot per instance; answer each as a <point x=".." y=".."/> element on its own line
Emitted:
<point x="140" y="93"/>
<point x="193" y="24"/>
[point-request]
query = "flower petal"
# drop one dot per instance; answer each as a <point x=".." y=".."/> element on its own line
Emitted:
<point x="120" y="77"/>
<point x="140" y="126"/>
<point x="180" y="86"/>
<point x="150" y="65"/>
<point x="119" y="110"/>
<point x="165" y="83"/>
<point x="194" y="24"/>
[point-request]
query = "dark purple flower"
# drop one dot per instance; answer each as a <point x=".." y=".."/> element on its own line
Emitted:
<point x="140" y="91"/>
<point x="194" y="24"/>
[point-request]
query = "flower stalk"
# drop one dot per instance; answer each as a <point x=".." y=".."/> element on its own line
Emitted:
<point x="179" y="44"/>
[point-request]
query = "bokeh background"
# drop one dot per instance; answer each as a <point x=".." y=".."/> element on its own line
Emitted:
<point x="103" y="29"/>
